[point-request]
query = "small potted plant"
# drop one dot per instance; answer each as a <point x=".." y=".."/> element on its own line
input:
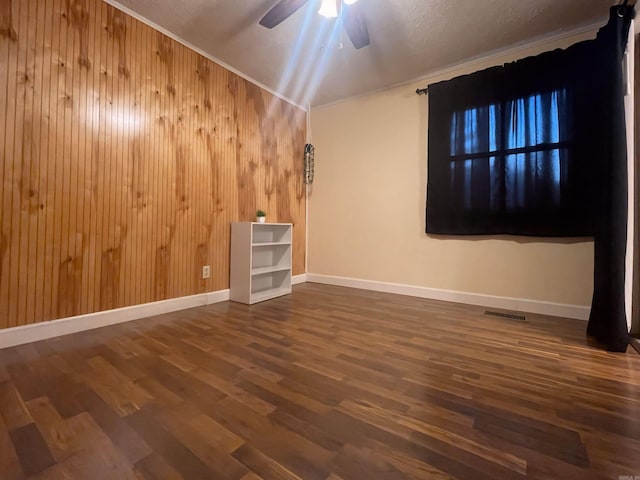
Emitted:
<point x="261" y="216"/>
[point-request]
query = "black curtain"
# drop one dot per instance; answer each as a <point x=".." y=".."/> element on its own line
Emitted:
<point x="607" y="321"/>
<point x="494" y="167"/>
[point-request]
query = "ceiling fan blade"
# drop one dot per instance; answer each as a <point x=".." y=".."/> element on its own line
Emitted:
<point x="355" y="26"/>
<point x="280" y="12"/>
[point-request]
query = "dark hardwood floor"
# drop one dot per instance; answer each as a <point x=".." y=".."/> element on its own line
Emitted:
<point x="326" y="383"/>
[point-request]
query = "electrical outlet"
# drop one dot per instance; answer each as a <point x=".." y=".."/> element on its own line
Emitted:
<point x="206" y="271"/>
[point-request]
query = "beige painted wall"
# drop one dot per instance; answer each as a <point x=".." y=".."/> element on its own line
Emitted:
<point x="367" y="206"/>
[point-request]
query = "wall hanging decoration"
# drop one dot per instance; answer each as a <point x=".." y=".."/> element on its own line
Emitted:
<point x="309" y="153"/>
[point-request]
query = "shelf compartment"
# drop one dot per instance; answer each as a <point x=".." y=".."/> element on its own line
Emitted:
<point x="270" y="233"/>
<point x="275" y="255"/>
<point x="271" y="281"/>
<point x="269" y="293"/>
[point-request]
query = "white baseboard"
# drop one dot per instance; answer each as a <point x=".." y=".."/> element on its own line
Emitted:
<point x="40" y="331"/>
<point x="10" y="337"/>
<point x="55" y="328"/>
<point x="296" y="279"/>
<point x="579" y="312"/>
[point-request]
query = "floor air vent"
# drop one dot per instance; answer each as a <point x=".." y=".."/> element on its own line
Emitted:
<point x="511" y="316"/>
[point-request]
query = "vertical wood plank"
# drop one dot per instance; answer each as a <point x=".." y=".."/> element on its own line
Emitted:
<point x="16" y="70"/>
<point x="28" y="166"/>
<point x="57" y="65"/>
<point x="8" y="38"/>
<point x="30" y="175"/>
<point x="43" y="92"/>
<point x="88" y="225"/>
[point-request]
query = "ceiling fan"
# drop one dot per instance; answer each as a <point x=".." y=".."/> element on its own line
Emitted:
<point x="353" y="21"/>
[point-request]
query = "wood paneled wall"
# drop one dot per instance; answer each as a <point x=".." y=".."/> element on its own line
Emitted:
<point x="125" y="157"/>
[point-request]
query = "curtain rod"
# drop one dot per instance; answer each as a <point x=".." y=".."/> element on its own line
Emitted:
<point x="422" y="91"/>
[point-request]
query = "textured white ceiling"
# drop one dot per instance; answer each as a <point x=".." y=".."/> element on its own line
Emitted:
<point x="300" y="58"/>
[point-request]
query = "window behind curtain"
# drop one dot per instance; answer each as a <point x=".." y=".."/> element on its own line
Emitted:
<point x="502" y="158"/>
<point x="518" y="149"/>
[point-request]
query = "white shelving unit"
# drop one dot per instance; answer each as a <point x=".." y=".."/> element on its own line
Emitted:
<point x="260" y="261"/>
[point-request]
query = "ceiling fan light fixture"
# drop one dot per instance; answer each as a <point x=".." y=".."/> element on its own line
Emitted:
<point x="328" y="9"/>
